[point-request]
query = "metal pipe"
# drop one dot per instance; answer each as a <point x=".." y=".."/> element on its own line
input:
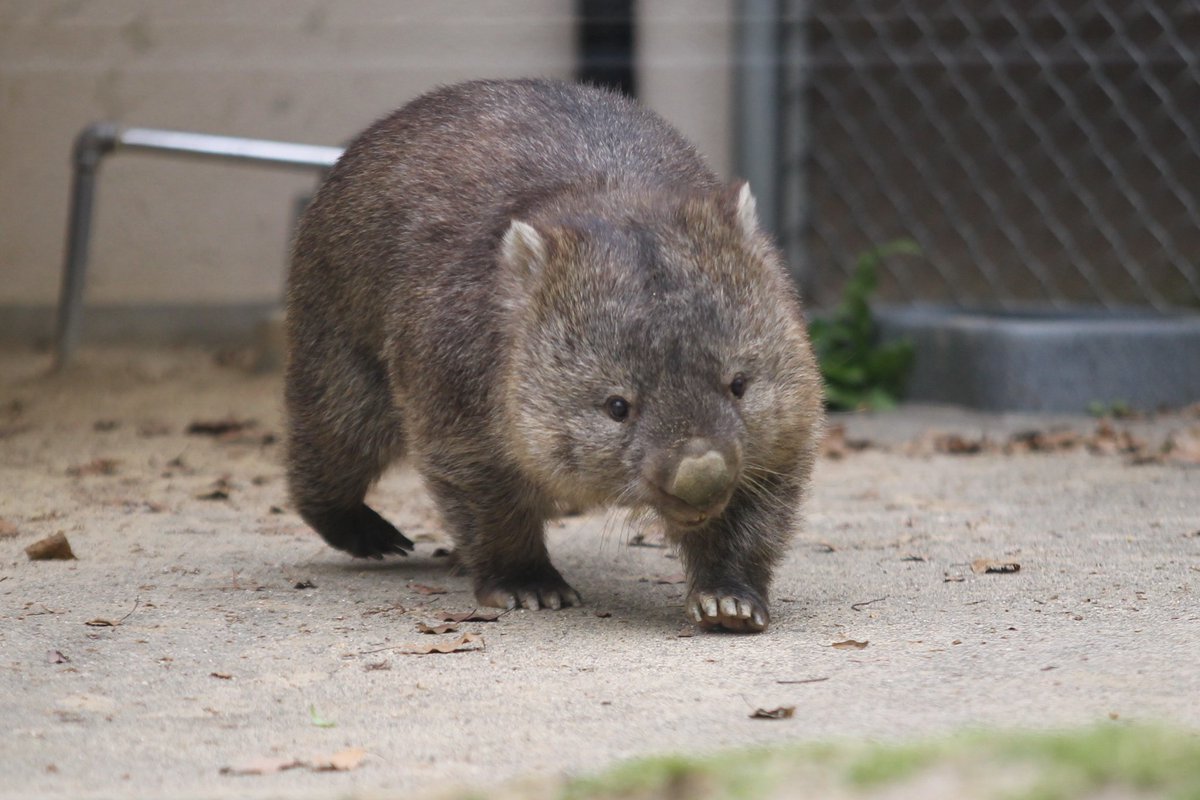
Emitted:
<point x="756" y="127"/>
<point x="102" y="138"/>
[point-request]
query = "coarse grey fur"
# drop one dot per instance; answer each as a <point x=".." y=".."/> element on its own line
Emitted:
<point x="539" y="293"/>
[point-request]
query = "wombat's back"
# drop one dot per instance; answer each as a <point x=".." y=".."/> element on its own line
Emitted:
<point x="421" y="198"/>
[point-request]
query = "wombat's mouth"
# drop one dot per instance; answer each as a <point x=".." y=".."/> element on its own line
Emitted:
<point x="680" y="514"/>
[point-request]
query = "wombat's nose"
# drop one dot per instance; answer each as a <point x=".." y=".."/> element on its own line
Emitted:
<point x="703" y="475"/>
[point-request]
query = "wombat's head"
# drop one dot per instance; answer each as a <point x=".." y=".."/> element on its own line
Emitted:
<point x="659" y="355"/>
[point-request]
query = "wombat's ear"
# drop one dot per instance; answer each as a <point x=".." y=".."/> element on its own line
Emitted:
<point x="745" y="208"/>
<point x="523" y="250"/>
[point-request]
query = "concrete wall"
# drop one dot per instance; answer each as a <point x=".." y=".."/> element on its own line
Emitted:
<point x="171" y="231"/>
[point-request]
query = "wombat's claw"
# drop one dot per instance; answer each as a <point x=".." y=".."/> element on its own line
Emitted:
<point x="730" y="610"/>
<point x="527" y="594"/>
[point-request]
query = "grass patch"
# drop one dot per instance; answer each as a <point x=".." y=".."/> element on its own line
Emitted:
<point x="1119" y="760"/>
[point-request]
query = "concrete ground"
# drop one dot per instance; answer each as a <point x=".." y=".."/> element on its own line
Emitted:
<point x="203" y="627"/>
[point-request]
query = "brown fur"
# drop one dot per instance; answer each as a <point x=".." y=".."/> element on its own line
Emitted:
<point x="423" y="321"/>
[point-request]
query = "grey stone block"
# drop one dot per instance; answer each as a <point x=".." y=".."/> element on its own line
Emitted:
<point x="1052" y="360"/>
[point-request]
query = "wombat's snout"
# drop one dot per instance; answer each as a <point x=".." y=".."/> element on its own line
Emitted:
<point x="700" y="481"/>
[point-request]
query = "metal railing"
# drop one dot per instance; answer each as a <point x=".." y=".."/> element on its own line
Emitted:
<point x="101" y="139"/>
<point x="1038" y="151"/>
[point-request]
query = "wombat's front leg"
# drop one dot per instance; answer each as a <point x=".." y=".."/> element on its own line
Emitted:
<point x="500" y="540"/>
<point x="729" y="562"/>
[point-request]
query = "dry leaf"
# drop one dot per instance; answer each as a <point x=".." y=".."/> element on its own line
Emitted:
<point x="463" y="644"/>
<point x="225" y="676"/>
<point x="219" y="491"/>
<point x="1183" y="446"/>
<point x="341" y="761"/>
<point x="377" y="666"/>
<point x="783" y="712"/>
<point x="56" y="657"/>
<point x="603" y="614"/>
<point x="421" y="588"/>
<point x="304" y="584"/>
<point x="52" y="548"/>
<point x="219" y="427"/>
<point x="981" y="566"/>
<point x="849" y="644"/>
<point x="100" y="622"/>
<point x="263" y="766"/>
<point x="678" y="577"/>
<point x="444" y="628"/>
<point x="835" y="445"/>
<point x="474" y="615"/>
<point x="7" y="529"/>
<point x="97" y="466"/>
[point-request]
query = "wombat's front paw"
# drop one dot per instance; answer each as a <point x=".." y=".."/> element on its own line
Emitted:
<point x="532" y="592"/>
<point x="728" y="609"/>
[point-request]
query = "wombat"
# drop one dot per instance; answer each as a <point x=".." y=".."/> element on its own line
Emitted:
<point x="540" y="294"/>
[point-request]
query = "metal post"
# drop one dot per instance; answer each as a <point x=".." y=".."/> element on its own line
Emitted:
<point x="756" y="105"/>
<point x="795" y="206"/>
<point x="91" y="145"/>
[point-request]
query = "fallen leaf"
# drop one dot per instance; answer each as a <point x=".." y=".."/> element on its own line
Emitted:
<point x="341" y="761"/>
<point x="849" y="644"/>
<point x="97" y="466"/>
<point x="678" y="577"/>
<point x="443" y="628"/>
<point x="318" y="720"/>
<point x="56" y="657"/>
<point x="52" y="548"/>
<point x="304" y="584"/>
<point x="100" y="622"/>
<point x="686" y="631"/>
<point x="603" y="614"/>
<point x="218" y="491"/>
<point x="225" y="676"/>
<point x="473" y="615"/>
<point x="377" y="666"/>
<point x="1183" y="446"/>
<point x="982" y="566"/>
<point x="948" y="578"/>
<point x="7" y="529"/>
<point x="263" y="766"/>
<point x="783" y="712"/>
<point x="835" y="445"/>
<point x="421" y="588"/>
<point x="463" y="644"/>
<point x="219" y="427"/>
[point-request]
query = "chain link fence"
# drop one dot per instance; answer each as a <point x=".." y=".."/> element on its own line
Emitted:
<point x="1039" y="152"/>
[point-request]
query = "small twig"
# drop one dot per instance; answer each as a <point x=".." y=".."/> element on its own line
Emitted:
<point x="137" y="601"/>
<point x="859" y="606"/>
<point x="807" y="680"/>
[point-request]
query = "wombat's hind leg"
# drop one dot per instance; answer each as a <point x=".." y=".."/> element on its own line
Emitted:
<point x="360" y="531"/>
<point x="343" y="432"/>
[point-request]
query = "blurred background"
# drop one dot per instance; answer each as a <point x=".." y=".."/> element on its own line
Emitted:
<point x="1041" y="152"/>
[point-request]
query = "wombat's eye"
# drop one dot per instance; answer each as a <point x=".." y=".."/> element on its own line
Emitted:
<point x="617" y="408"/>
<point x="738" y="385"/>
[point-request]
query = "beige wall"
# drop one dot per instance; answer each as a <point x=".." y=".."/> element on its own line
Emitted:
<point x="174" y="231"/>
<point x="685" y="54"/>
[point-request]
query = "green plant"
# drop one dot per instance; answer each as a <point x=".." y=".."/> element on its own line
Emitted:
<point x="859" y="370"/>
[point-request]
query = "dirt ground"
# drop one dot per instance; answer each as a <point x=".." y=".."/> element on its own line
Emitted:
<point x="203" y="630"/>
